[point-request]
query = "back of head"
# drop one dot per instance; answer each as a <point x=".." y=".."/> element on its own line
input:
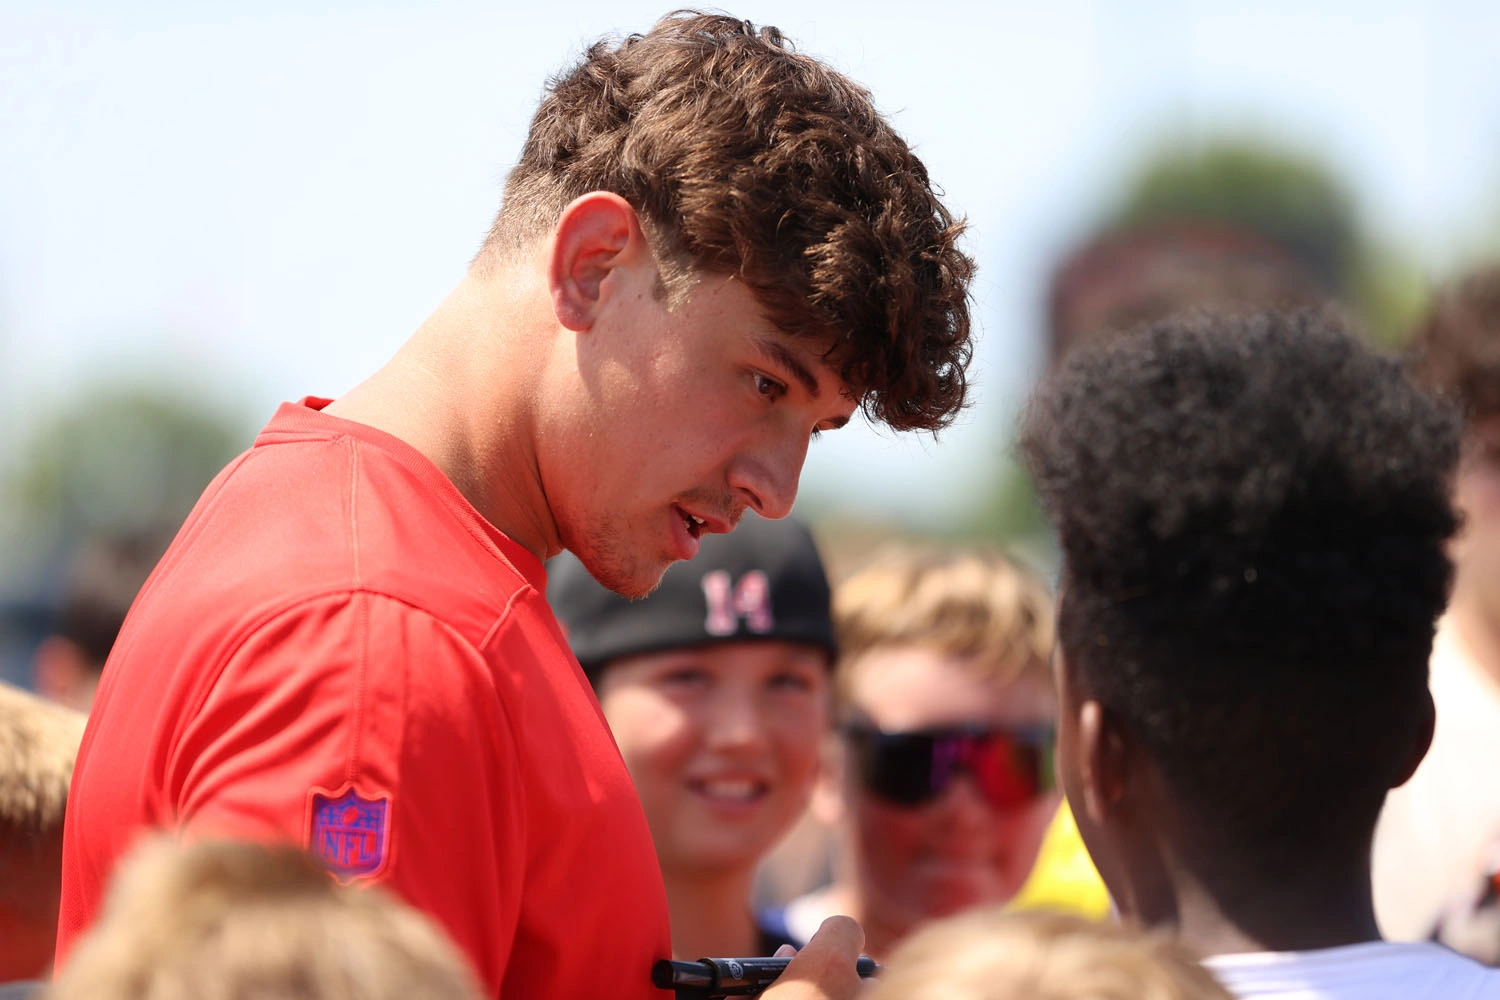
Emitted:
<point x="980" y="607"/>
<point x="762" y="581"/>
<point x="219" y="920"/>
<point x="38" y="745"/>
<point x="1253" y="512"/>
<point x="1457" y="346"/>
<point x="744" y="157"/>
<point x="993" y="955"/>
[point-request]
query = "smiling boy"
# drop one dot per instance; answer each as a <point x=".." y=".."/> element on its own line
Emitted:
<point x="716" y="688"/>
<point x="711" y="249"/>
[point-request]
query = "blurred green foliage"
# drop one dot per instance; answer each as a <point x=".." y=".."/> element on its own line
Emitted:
<point x="1292" y="198"/>
<point x="119" y="459"/>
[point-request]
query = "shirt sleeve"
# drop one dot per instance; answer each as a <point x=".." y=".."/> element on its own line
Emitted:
<point x="373" y="735"/>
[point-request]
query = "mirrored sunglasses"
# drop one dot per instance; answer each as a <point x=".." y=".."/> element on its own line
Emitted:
<point x="1010" y="767"/>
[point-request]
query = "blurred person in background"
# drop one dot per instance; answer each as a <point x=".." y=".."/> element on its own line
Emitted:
<point x="993" y="953"/>
<point x="224" y="920"/>
<point x="1437" y="848"/>
<point x="1134" y="275"/>
<point x="940" y="780"/>
<point x="716" y="687"/>
<point x="1253" y="513"/>
<point x="348" y="644"/>
<point x="38" y="743"/>
<point x="103" y="578"/>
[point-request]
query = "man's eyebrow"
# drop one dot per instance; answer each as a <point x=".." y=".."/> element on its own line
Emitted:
<point x="783" y="355"/>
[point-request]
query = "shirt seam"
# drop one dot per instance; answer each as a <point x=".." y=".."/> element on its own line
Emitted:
<point x="362" y="667"/>
<point x="254" y="626"/>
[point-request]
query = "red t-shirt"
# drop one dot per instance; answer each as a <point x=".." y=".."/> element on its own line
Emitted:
<point x="339" y="650"/>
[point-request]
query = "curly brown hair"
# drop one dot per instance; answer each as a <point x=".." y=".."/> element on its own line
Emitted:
<point x="1456" y="347"/>
<point x="746" y="157"/>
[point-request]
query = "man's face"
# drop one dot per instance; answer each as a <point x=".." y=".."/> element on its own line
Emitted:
<point x="959" y="848"/>
<point x="1476" y="551"/>
<point x="677" y="421"/>
<point x="722" y="743"/>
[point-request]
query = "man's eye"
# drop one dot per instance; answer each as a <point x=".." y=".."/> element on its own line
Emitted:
<point x="768" y="387"/>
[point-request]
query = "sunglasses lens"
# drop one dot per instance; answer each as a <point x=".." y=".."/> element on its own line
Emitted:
<point x="1010" y="770"/>
<point x="913" y="768"/>
<point x="898" y="767"/>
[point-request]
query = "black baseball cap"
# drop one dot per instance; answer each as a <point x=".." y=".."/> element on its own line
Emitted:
<point x="764" y="580"/>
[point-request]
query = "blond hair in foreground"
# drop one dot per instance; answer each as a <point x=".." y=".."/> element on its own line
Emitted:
<point x="38" y="745"/>
<point x="989" y="954"/>
<point x="221" y="920"/>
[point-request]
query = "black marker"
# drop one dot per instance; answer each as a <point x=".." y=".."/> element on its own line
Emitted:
<point x="730" y="977"/>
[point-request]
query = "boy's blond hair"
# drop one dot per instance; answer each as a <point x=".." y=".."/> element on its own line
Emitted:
<point x="989" y="954"/>
<point x="38" y="745"/>
<point x="223" y="920"/>
<point x="982" y="607"/>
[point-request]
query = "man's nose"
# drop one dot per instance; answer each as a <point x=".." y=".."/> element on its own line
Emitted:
<point x="767" y="479"/>
<point x="962" y="808"/>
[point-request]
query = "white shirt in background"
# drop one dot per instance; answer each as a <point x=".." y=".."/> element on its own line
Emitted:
<point x="1378" y="970"/>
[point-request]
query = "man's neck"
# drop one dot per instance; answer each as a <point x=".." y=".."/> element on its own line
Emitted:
<point x="459" y="392"/>
<point x="1325" y="909"/>
<point x="710" y="914"/>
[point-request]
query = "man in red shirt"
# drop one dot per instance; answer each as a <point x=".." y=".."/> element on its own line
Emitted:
<point x="712" y="249"/>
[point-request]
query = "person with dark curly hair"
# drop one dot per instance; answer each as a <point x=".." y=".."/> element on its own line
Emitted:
<point x="1437" y="848"/>
<point x="1253" y="512"/>
<point x="712" y="249"/>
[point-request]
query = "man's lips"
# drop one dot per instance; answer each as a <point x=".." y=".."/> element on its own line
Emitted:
<point x="700" y="522"/>
<point x="685" y="534"/>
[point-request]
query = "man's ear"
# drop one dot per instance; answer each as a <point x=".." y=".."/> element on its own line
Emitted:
<point x="1422" y="743"/>
<point x="595" y="234"/>
<point x="1104" y="759"/>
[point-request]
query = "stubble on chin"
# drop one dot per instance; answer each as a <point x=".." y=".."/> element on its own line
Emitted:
<point x="628" y="574"/>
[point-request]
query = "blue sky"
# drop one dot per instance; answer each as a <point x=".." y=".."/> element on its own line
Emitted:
<point x="263" y="201"/>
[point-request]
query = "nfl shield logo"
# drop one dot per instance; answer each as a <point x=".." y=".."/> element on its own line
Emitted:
<point x="348" y="832"/>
